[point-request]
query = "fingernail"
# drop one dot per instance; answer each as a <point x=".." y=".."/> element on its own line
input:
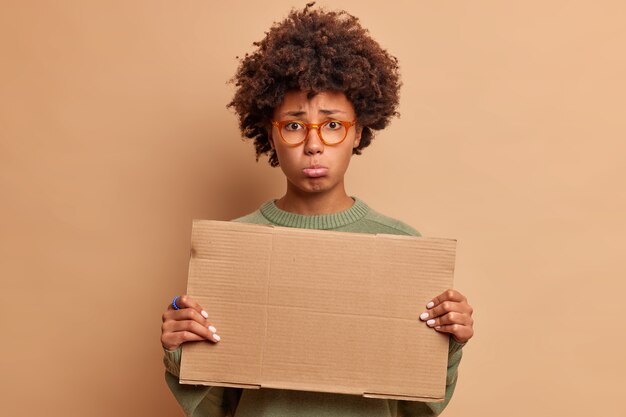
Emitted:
<point x="216" y="337"/>
<point x="437" y="327"/>
<point x="430" y="305"/>
<point x="424" y="316"/>
<point x="204" y="314"/>
<point x="431" y="322"/>
<point x="212" y="329"/>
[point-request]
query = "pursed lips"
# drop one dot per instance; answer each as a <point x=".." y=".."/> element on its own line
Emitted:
<point x="315" y="171"/>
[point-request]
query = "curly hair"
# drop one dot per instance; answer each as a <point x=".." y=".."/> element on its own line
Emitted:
<point x="315" y="51"/>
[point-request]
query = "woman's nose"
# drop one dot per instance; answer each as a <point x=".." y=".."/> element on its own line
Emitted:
<point x="313" y="143"/>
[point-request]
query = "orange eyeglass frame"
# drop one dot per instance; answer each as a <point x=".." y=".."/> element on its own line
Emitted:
<point x="309" y="126"/>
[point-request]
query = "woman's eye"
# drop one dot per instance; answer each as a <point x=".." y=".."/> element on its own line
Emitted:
<point x="293" y="126"/>
<point x="333" y="125"/>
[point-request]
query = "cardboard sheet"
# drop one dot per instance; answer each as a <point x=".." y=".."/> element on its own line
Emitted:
<point x="318" y="310"/>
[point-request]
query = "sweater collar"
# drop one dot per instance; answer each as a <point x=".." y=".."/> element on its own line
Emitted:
<point x="319" y="221"/>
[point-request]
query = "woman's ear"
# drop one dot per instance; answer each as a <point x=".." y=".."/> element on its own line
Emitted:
<point x="357" y="136"/>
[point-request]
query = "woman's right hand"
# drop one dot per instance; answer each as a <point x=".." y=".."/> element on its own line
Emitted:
<point x="189" y="323"/>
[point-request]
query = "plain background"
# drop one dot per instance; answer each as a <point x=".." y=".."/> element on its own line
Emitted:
<point x="114" y="135"/>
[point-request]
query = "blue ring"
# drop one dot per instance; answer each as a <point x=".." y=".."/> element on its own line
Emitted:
<point x="174" y="303"/>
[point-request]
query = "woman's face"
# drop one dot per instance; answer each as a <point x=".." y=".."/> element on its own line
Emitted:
<point x="312" y="166"/>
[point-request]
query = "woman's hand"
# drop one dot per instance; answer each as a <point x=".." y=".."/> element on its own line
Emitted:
<point x="449" y="312"/>
<point x="189" y="323"/>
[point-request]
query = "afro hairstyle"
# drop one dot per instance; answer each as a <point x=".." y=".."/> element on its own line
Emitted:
<point x="315" y="50"/>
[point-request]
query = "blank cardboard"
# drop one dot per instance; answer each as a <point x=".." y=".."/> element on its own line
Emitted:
<point x="318" y="310"/>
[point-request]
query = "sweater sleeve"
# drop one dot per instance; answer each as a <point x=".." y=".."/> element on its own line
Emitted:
<point x="431" y="409"/>
<point x="198" y="400"/>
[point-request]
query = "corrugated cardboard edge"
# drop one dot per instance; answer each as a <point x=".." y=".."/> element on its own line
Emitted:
<point x="402" y="397"/>
<point x="365" y="394"/>
<point x="219" y="384"/>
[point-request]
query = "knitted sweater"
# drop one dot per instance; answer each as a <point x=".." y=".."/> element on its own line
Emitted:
<point x="205" y="401"/>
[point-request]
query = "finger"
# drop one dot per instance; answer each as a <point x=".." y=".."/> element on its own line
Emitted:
<point x="206" y="332"/>
<point x="451" y="318"/>
<point x="172" y="341"/>
<point x="447" y="295"/>
<point x="173" y="334"/>
<point x="444" y="308"/>
<point x="186" y="314"/>
<point x="185" y="301"/>
<point x="460" y="333"/>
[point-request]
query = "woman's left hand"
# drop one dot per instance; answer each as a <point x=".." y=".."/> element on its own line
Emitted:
<point x="449" y="312"/>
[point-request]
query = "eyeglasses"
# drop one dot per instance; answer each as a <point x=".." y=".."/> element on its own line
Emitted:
<point x="331" y="132"/>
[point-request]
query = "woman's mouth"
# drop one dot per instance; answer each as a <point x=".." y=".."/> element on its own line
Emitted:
<point x="315" y="171"/>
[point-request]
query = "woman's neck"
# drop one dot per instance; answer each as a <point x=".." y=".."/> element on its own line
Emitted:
<point x="332" y="201"/>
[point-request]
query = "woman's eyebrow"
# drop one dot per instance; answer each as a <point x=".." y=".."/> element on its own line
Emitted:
<point x="298" y="113"/>
<point x="295" y="113"/>
<point x="331" y="111"/>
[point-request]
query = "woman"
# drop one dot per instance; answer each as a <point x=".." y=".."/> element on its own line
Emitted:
<point x="311" y="96"/>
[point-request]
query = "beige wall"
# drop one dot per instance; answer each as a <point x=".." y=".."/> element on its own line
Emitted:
<point x="114" y="135"/>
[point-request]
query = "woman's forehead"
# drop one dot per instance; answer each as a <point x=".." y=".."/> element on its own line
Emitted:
<point x="323" y="102"/>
